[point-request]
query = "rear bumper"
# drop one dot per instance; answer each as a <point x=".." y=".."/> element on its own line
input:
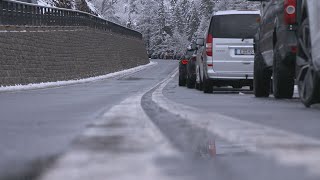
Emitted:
<point x="229" y="75"/>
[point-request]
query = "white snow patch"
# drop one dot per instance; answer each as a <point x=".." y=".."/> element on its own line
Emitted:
<point x="92" y="7"/>
<point x="77" y="81"/>
<point x="45" y="3"/>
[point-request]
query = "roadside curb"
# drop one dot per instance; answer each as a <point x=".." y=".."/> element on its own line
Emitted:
<point x="77" y="81"/>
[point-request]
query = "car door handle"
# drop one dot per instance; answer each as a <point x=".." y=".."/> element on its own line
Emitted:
<point x="246" y="62"/>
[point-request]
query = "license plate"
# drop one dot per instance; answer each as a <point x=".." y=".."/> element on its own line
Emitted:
<point x="244" y="52"/>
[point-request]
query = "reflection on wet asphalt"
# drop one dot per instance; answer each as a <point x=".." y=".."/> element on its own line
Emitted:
<point x="194" y="141"/>
<point x="118" y="132"/>
<point x="231" y="161"/>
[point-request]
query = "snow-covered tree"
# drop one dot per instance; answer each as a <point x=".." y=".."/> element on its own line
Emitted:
<point x="165" y="24"/>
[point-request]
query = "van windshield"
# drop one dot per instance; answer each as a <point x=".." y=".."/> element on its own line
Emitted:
<point x="234" y="26"/>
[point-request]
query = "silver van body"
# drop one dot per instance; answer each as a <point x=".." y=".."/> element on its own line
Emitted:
<point x="231" y="60"/>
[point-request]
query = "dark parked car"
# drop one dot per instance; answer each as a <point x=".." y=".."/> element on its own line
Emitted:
<point x="183" y="63"/>
<point x="308" y="56"/>
<point x="155" y="56"/>
<point x="275" y="49"/>
<point x="169" y="54"/>
<point x="177" y="56"/>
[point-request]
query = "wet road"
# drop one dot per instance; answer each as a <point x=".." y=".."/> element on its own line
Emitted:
<point x="144" y="126"/>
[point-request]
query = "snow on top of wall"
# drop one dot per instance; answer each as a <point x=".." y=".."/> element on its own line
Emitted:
<point x="236" y="12"/>
<point x="91" y="6"/>
<point x="79" y="81"/>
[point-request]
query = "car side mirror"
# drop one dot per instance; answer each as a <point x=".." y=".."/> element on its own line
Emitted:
<point x="200" y="41"/>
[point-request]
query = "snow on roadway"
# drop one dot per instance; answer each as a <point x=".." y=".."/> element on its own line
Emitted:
<point x="77" y="81"/>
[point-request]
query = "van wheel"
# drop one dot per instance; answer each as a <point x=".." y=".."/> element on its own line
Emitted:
<point x="199" y="83"/>
<point x="308" y="79"/>
<point x="207" y="86"/>
<point x="283" y="77"/>
<point x="262" y="77"/>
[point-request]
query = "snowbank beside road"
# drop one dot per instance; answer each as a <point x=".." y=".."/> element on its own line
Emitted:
<point x="69" y="82"/>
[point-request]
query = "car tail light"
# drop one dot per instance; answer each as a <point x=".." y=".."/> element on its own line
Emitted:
<point x="290" y="11"/>
<point x="210" y="65"/>
<point x="209" y="45"/>
<point x="294" y="49"/>
<point x="184" y="61"/>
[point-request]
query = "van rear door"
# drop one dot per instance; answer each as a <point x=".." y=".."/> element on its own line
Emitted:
<point x="232" y="46"/>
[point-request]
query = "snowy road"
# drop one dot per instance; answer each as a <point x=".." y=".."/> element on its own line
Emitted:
<point x="144" y="126"/>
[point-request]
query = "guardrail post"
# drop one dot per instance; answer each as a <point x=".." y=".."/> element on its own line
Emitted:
<point x="1" y="12"/>
<point x="9" y="11"/>
<point x="46" y="16"/>
<point x="28" y="15"/>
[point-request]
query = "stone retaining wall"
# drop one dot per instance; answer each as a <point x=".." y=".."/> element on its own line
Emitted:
<point x="44" y="55"/>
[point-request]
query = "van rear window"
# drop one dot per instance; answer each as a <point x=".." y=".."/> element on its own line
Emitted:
<point x="234" y="26"/>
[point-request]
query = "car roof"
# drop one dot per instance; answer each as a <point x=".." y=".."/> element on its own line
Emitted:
<point x="229" y="12"/>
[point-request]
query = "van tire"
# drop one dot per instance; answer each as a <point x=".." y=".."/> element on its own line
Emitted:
<point x="283" y="77"/>
<point x="262" y="77"/>
<point x="199" y="84"/>
<point x="207" y="86"/>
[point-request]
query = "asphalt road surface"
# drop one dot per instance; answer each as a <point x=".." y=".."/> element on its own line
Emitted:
<point x="144" y="126"/>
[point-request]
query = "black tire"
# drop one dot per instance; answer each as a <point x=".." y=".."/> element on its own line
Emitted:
<point x="309" y="88"/>
<point x="182" y="80"/>
<point x="262" y="78"/>
<point x="191" y="82"/>
<point x="308" y="79"/>
<point x="199" y="84"/>
<point x="207" y="86"/>
<point x="283" y="77"/>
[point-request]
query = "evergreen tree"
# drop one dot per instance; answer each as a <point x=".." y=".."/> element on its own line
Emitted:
<point x="193" y="24"/>
<point x="167" y="24"/>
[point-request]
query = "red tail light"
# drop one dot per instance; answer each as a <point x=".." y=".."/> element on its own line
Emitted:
<point x="290" y="11"/>
<point x="184" y="61"/>
<point x="294" y="49"/>
<point x="209" y="45"/>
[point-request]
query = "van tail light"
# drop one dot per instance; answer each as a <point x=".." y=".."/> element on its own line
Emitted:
<point x="290" y="11"/>
<point x="209" y="45"/>
<point x="184" y="61"/>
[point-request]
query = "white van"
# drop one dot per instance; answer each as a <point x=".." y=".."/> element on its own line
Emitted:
<point x="228" y="56"/>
